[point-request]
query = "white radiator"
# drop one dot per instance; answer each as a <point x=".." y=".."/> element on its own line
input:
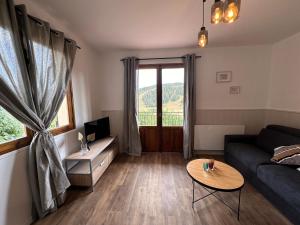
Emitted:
<point x="211" y="137"/>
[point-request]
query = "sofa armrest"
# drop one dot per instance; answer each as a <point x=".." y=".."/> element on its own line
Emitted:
<point x="244" y="138"/>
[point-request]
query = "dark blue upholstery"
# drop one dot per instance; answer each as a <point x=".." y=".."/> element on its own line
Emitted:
<point x="287" y="130"/>
<point x="251" y="155"/>
<point x="269" y="139"/>
<point x="283" y="181"/>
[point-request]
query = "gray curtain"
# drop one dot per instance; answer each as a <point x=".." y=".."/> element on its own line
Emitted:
<point x="189" y="105"/>
<point x="35" y="66"/>
<point x="132" y="142"/>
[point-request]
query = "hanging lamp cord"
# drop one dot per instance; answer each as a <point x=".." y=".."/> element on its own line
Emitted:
<point x="203" y="14"/>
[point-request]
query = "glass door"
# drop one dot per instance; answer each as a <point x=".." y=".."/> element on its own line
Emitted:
<point x="172" y="97"/>
<point x="172" y="108"/>
<point x="147" y="97"/>
<point x="160" y="106"/>
<point x="147" y="108"/>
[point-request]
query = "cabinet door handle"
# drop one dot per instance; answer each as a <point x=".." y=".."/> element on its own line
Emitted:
<point x="101" y="164"/>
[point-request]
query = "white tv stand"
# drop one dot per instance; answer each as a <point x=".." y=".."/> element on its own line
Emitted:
<point x="85" y="170"/>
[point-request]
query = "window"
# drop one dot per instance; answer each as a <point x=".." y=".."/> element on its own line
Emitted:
<point x="10" y="128"/>
<point x="14" y="135"/>
<point x="147" y="97"/>
<point x="172" y="96"/>
<point x="160" y="95"/>
<point x="64" y="120"/>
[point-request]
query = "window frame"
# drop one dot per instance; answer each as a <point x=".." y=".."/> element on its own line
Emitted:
<point x="16" y="144"/>
<point x="71" y="125"/>
<point x="25" y="141"/>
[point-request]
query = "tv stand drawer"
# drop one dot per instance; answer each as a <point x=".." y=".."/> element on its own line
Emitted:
<point x="99" y="159"/>
<point x="99" y="170"/>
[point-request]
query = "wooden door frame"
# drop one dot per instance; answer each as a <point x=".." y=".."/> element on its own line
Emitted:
<point x="162" y="65"/>
<point x="159" y="67"/>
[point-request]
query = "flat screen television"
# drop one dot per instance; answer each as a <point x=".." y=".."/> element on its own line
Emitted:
<point x="98" y="129"/>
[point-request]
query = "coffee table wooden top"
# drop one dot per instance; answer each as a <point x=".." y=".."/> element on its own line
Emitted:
<point x="223" y="177"/>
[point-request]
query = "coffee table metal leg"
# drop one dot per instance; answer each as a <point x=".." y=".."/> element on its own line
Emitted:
<point x="239" y="204"/>
<point x="193" y="193"/>
<point x="222" y="201"/>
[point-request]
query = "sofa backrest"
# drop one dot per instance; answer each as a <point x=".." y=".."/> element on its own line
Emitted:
<point x="283" y="129"/>
<point x="274" y="136"/>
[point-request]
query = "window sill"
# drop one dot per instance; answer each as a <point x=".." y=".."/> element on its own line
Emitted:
<point x="25" y="141"/>
<point x="61" y="130"/>
<point x="14" y="145"/>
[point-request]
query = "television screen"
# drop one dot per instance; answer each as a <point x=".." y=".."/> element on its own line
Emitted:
<point x="97" y="129"/>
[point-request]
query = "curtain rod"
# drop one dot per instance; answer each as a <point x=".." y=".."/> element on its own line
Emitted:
<point x="41" y="23"/>
<point x="179" y="57"/>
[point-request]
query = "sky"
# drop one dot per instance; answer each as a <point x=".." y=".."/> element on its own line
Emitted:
<point x="147" y="77"/>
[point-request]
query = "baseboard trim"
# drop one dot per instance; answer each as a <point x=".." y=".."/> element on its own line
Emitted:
<point x="208" y="152"/>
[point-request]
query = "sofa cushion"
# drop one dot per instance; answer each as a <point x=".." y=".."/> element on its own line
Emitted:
<point x="269" y="139"/>
<point x="287" y="155"/>
<point x="283" y="180"/>
<point x="249" y="155"/>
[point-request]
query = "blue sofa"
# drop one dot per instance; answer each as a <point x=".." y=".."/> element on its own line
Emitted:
<point x="251" y="155"/>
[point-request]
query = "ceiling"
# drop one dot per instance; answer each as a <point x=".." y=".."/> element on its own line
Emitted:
<point x="153" y="24"/>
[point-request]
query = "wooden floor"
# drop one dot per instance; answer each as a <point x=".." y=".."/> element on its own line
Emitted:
<point x="155" y="190"/>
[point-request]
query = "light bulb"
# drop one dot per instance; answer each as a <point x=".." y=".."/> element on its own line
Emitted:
<point x="202" y="41"/>
<point x="217" y="16"/>
<point x="217" y="12"/>
<point x="202" y="38"/>
<point x="232" y="9"/>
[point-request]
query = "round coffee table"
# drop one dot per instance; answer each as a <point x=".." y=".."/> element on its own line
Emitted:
<point x="222" y="178"/>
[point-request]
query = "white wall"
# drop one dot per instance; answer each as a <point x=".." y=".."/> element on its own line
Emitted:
<point x="250" y="67"/>
<point x="283" y="106"/>
<point x="15" y="201"/>
<point x="284" y="92"/>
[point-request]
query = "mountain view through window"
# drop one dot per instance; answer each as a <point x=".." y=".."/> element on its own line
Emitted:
<point x="172" y="80"/>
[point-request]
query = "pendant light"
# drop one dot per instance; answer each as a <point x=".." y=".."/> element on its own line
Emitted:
<point x="203" y="37"/>
<point x="231" y="10"/>
<point x="217" y="12"/>
<point x="203" y="34"/>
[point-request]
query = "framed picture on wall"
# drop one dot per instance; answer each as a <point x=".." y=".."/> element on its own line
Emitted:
<point x="224" y="76"/>
<point x="235" y="90"/>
